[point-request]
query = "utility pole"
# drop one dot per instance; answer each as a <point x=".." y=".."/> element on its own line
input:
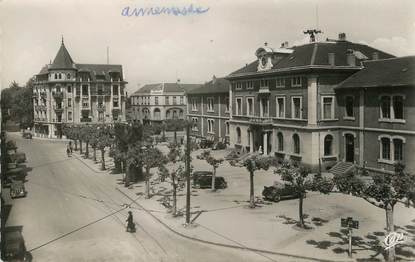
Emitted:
<point x="187" y="173"/>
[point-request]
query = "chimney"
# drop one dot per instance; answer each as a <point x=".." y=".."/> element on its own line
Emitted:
<point x="332" y="59"/>
<point x="284" y="44"/>
<point x="213" y="79"/>
<point x="351" y="59"/>
<point x="342" y="36"/>
<point x="375" y="56"/>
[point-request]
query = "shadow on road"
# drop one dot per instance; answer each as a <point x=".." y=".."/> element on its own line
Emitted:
<point x="372" y="242"/>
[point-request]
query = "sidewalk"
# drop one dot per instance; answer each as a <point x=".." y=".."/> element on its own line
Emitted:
<point x="270" y="228"/>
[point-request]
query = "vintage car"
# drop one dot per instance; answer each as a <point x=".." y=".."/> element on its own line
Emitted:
<point x="14" y="247"/>
<point x="203" y="179"/>
<point x="279" y="191"/>
<point x="17" y="189"/>
<point x="27" y="134"/>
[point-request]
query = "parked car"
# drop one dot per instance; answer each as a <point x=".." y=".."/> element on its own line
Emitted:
<point x="17" y="189"/>
<point x="14" y="248"/>
<point x="203" y="179"/>
<point x="18" y="157"/>
<point x="279" y="191"/>
<point x="205" y="143"/>
<point x="27" y="134"/>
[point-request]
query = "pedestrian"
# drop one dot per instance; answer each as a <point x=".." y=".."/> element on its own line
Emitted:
<point x="68" y="151"/>
<point x="130" y="222"/>
<point x="70" y="146"/>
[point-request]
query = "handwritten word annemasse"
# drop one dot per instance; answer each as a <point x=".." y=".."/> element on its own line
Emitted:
<point x="153" y="11"/>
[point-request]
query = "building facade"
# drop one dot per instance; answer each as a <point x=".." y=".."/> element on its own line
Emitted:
<point x="69" y="93"/>
<point x="208" y="108"/>
<point x="154" y="103"/>
<point x="376" y="108"/>
<point x="284" y="103"/>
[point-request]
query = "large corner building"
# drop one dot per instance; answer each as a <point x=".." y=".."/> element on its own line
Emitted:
<point x="333" y="104"/>
<point x="67" y="92"/>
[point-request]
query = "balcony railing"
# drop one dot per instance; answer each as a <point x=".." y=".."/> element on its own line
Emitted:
<point x="264" y="90"/>
<point x="86" y="119"/>
<point x="257" y="120"/>
<point x="58" y="109"/>
<point x="40" y="107"/>
<point x="101" y="108"/>
<point x="57" y="95"/>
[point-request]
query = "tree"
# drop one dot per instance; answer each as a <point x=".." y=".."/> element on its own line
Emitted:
<point x="252" y="164"/>
<point x="214" y="162"/>
<point x="87" y="134"/>
<point x="302" y="180"/>
<point x="17" y="104"/>
<point x="94" y="138"/>
<point x="104" y="140"/>
<point x="384" y="191"/>
<point x="175" y="172"/>
<point x="175" y="125"/>
<point x="150" y="158"/>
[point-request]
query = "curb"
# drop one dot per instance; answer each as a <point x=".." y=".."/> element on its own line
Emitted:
<point x="225" y="245"/>
<point x="51" y="139"/>
<point x="79" y="157"/>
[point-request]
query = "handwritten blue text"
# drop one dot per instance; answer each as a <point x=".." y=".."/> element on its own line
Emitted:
<point x="174" y="10"/>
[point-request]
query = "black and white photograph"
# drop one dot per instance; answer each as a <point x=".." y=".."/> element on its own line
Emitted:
<point x="207" y="130"/>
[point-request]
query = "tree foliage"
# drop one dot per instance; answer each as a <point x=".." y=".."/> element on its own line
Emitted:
<point x="302" y="180"/>
<point x="17" y="103"/>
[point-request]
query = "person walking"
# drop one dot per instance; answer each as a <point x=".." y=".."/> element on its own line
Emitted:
<point x="68" y="151"/>
<point x="130" y="222"/>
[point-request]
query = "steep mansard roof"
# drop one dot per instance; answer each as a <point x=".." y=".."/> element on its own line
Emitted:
<point x="166" y="87"/>
<point x="316" y="54"/>
<point x="391" y="72"/>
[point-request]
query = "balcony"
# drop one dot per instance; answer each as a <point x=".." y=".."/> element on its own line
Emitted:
<point x="258" y="120"/>
<point x="264" y="90"/>
<point x="86" y="119"/>
<point x="43" y="95"/>
<point x="57" y="95"/>
<point x="40" y="107"/>
<point x="101" y="108"/>
<point x="58" y="109"/>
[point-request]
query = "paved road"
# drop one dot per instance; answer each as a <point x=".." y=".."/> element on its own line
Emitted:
<point x="66" y="216"/>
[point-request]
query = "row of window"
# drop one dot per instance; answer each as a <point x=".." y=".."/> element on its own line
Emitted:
<point x="145" y="100"/>
<point x="210" y="102"/>
<point x="296" y="107"/>
<point x="84" y="89"/>
<point x="210" y="126"/>
<point x="280" y="82"/>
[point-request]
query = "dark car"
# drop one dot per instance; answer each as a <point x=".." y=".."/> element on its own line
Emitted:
<point x="17" y="189"/>
<point x="203" y="179"/>
<point x="15" y="249"/>
<point x="279" y="191"/>
<point x="205" y="143"/>
<point x="27" y="134"/>
<point x="18" y="157"/>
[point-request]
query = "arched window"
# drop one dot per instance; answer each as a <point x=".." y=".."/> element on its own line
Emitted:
<point x="385" y="148"/>
<point x="157" y="114"/>
<point x="181" y="114"/>
<point x="280" y="138"/>
<point x="397" y="149"/>
<point x="238" y="135"/>
<point x="328" y="145"/>
<point x="296" y="144"/>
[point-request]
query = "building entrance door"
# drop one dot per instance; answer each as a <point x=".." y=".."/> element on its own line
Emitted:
<point x="349" y="144"/>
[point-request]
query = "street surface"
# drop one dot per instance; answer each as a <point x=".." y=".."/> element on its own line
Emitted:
<point x="65" y="216"/>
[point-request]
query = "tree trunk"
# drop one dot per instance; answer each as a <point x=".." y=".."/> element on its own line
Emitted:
<point x="175" y="136"/>
<point x="117" y="164"/>
<point x="87" y="149"/>
<point x="300" y="211"/>
<point x="174" y="211"/>
<point x="102" y="159"/>
<point x="124" y="170"/>
<point x="76" y="145"/>
<point x="213" y="180"/>
<point x="80" y="146"/>
<point x="95" y="154"/>
<point x="391" y="228"/>
<point x="147" y="183"/>
<point x="251" y="194"/>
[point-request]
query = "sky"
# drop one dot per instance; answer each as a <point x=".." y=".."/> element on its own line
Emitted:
<point x="192" y="48"/>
